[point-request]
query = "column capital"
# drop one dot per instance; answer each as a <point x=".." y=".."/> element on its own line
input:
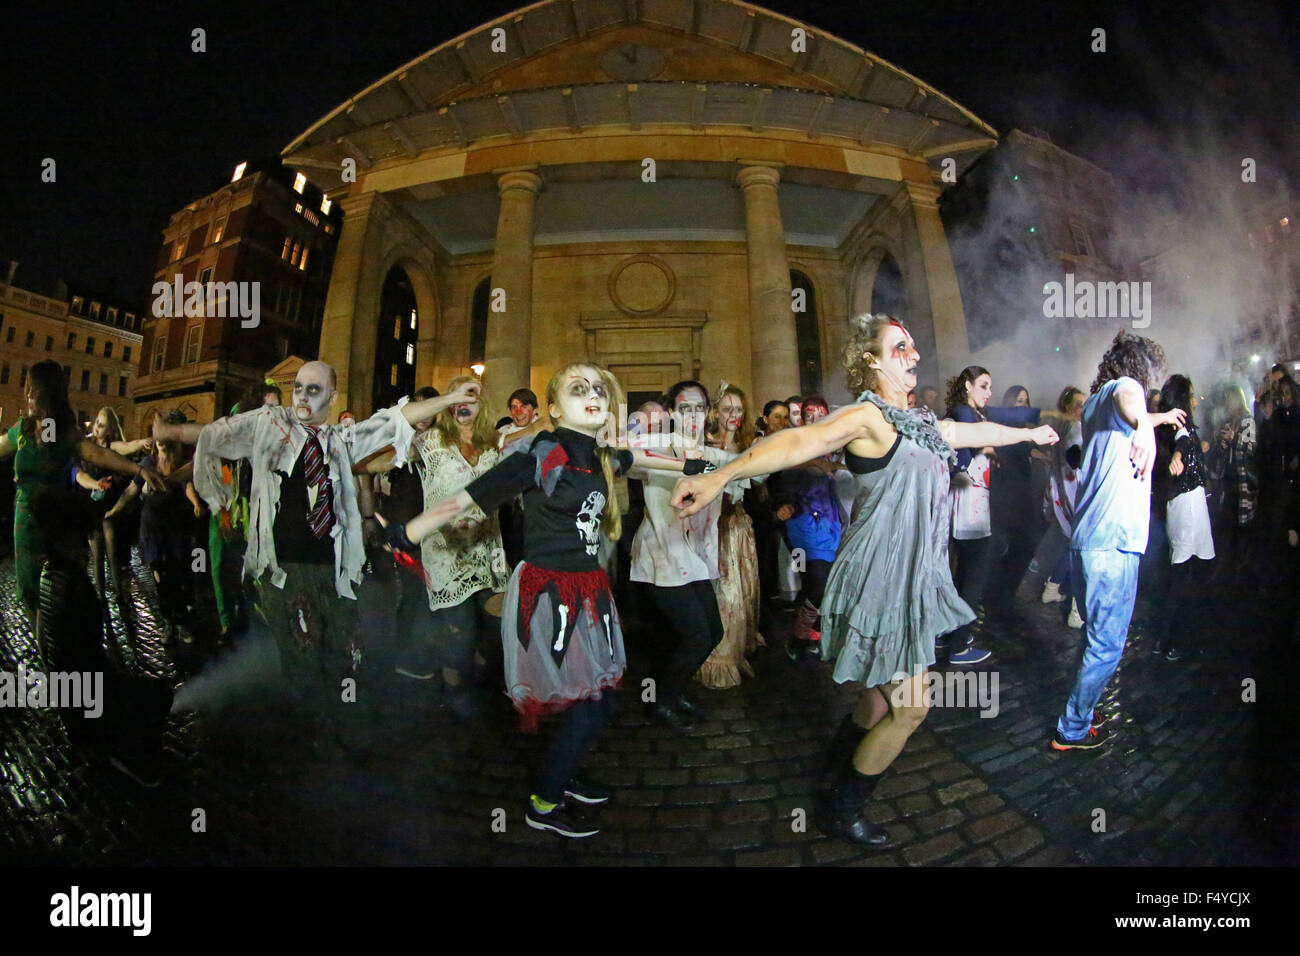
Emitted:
<point x="758" y="173"/>
<point x="518" y="177"/>
<point x="922" y="194"/>
<point x="362" y="204"/>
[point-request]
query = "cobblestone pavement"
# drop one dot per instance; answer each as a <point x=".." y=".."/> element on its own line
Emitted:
<point x="1195" y="775"/>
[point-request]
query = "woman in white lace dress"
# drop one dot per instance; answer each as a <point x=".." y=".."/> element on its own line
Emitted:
<point x="464" y="560"/>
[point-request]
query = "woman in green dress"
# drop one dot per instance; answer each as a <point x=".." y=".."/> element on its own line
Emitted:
<point x="45" y="443"/>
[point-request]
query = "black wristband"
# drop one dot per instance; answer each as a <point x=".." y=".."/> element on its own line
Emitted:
<point x="696" y="466"/>
<point x="396" y="534"/>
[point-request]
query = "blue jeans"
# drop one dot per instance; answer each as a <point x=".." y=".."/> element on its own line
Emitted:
<point x="1104" y="585"/>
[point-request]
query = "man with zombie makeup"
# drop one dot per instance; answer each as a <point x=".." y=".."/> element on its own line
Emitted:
<point x="304" y="524"/>
<point x="678" y="560"/>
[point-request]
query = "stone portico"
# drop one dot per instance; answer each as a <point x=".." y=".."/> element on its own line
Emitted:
<point x="636" y="184"/>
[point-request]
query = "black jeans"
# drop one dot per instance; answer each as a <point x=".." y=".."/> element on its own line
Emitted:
<point x="691" y="612"/>
<point x="973" y="558"/>
<point x="582" y="725"/>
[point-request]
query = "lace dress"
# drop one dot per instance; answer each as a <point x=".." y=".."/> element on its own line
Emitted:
<point x="466" y="556"/>
<point x="736" y="588"/>
<point x="890" y="593"/>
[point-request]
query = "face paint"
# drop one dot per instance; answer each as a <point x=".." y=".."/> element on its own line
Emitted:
<point x="731" y="413"/>
<point x="813" y="414"/>
<point x="520" y="413"/>
<point x="311" y="396"/>
<point x="582" y="402"/>
<point x="690" y="412"/>
<point x="464" y="414"/>
<point x="898" y="366"/>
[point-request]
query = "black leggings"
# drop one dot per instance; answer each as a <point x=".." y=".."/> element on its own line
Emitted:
<point x="573" y="738"/>
<point x="1185" y="600"/>
<point x="813" y="584"/>
<point x="175" y="588"/>
<point x="691" y="612"/>
<point x="973" y="557"/>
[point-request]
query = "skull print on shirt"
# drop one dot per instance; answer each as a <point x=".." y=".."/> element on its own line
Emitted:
<point x="588" y="521"/>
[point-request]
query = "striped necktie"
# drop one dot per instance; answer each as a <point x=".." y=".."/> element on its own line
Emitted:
<point x="320" y="516"/>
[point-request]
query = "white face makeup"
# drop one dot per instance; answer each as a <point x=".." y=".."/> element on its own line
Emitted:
<point x="898" y="366"/>
<point x="731" y="413"/>
<point x="312" y="394"/>
<point x="691" y="410"/>
<point x="980" y="391"/>
<point x="796" y="415"/>
<point x="582" y="402"/>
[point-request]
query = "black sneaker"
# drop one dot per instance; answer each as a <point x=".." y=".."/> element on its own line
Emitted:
<point x="688" y="708"/>
<point x="1093" y="739"/>
<point x="586" y="791"/>
<point x="853" y="826"/>
<point x="563" y="821"/>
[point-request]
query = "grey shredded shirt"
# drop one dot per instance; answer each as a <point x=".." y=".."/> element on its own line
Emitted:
<point x="271" y="438"/>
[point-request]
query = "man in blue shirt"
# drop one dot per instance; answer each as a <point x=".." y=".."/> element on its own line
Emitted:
<point x="1111" y="514"/>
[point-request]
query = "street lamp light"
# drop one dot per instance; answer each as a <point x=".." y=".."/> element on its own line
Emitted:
<point x="477" y="368"/>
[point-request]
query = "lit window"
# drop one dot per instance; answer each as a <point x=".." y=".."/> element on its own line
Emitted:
<point x="297" y="251"/>
<point x="239" y="172"/>
<point x="299" y="182"/>
<point x="218" y="230"/>
<point x="288" y="247"/>
<point x="94" y="310"/>
<point x="397" y="327"/>
<point x="392" y="379"/>
<point x="412" y="318"/>
<point x="410" y="354"/>
<point x="178" y="250"/>
<point x="325" y="205"/>
<point x="77" y="303"/>
<point x="298" y="208"/>
<point x="302" y="263"/>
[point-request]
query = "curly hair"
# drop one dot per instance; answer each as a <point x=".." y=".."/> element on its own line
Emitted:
<point x="867" y="339"/>
<point x="1134" y="356"/>
<point x="956" y="389"/>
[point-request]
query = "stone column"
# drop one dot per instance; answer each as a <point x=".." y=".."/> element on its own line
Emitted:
<point x="347" y="337"/>
<point x="774" y="349"/>
<point x="941" y="294"/>
<point x="508" y="358"/>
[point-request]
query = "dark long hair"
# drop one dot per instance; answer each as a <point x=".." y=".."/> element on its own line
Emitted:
<point x="1009" y="396"/>
<point x="50" y="389"/>
<point x="957" y="394"/>
<point x="1176" y="393"/>
<point x="1139" y="358"/>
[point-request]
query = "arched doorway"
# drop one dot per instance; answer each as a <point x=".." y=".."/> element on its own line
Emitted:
<point x="807" y="333"/>
<point x="395" y="340"/>
<point x="478" y="321"/>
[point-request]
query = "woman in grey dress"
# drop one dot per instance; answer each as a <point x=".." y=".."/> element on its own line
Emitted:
<point x="890" y="593"/>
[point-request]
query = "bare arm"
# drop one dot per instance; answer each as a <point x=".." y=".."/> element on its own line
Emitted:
<point x="429" y="407"/>
<point x="541" y="425"/>
<point x="132" y="491"/>
<point x="127" y="448"/>
<point x="85" y="481"/>
<point x="6" y="446"/>
<point x="440" y="513"/>
<point x="186" y="434"/>
<point x="87" y="450"/>
<point x="991" y="434"/>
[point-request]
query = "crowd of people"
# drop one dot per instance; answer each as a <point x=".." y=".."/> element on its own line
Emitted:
<point x="883" y="537"/>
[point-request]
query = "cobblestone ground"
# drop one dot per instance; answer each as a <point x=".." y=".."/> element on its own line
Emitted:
<point x="1195" y="776"/>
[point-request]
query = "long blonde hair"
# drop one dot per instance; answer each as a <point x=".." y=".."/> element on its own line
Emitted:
<point x="447" y="428"/>
<point x="114" y="422"/>
<point x="611" y="521"/>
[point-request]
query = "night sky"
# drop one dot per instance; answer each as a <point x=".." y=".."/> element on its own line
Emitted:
<point x="140" y="126"/>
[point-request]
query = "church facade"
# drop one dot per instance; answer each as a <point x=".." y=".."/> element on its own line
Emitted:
<point x="671" y="188"/>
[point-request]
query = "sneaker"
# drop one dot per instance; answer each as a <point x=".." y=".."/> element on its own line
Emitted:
<point x="972" y="655"/>
<point x="585" y="791"/>
<point x="1052" y="593"/>
<point x="796" y="648"/>
<point x="562" y="821"/>
<point x="688" y="708"/>
<point x="1173" y="655"/>
<point x="1074" y="620"/>
<point x="1093" y="739"/>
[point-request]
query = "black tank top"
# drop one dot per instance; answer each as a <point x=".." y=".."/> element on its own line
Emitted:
<point x="864" y="466"/>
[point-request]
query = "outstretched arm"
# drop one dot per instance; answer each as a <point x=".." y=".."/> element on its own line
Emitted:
<point x="991" y="434"/>
<point x="186" y="434"/>
<point x="428" y="521"/>
<point x="128" y="448"/>
<point x="427" y="408"/>
<point x="87" y="450"/>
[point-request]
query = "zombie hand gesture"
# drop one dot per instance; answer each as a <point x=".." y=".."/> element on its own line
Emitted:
<point x="1143" y="451"/>
<point x="1044" y="435"/>
<point x="465" y="392"/>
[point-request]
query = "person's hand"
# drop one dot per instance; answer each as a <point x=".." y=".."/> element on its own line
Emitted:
<point x="1176" y="464"/>
<point x="105" y="484"/>
<point x="465" y="392"/>
<point x="1044" y="435"/>
<point x="198" y="512"/>
<point x="691" y="495"/>
<point x="1176" y="417"/>
<point x="784" y="513"/>
<point x="156" y="425"/>
<point x="146" y="444"/>
<point x="156" y="481"/>
<point x="1292" y="538"/>
<point x="1143" y="451"/>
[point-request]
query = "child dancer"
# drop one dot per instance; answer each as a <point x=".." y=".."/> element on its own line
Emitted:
<point x="560" y="630"/>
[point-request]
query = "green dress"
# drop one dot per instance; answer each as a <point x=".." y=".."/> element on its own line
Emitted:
<point x="37" y="466"/>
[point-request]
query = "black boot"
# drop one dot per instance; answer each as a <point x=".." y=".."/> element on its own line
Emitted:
<point x="844" y="815"/>
<point x="842" y="747"/>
